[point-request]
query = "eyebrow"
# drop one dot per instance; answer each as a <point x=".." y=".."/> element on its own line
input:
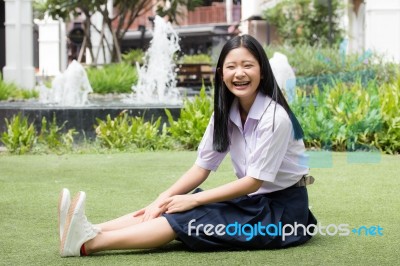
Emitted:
<point x="244" y="61"/>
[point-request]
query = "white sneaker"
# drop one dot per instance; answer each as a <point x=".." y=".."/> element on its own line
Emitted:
<point x="77" y="230"/>
<point x="64" y="201"/>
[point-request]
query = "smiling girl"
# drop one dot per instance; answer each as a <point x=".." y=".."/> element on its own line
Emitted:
<point x="253" y="122"/>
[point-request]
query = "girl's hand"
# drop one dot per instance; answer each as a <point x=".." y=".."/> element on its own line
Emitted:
<point x="179" y="203"/>
<point x="150" y="212"/>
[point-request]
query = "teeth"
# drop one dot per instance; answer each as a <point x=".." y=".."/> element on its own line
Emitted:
<point x="240" y="83"/>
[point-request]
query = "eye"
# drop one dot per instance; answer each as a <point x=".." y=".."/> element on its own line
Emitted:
<point x="248" y="66"/>
<point x="230" y="67"/>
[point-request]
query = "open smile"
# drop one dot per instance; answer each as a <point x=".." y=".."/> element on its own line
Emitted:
<point x="241" y="83"/>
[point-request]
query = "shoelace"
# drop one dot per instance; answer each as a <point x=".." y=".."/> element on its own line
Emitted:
<point x="89" y="228"/>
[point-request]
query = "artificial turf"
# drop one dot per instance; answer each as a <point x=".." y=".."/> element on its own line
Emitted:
<point x="357" y="194"/>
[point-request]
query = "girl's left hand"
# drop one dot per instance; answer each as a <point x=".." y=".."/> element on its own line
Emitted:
<point x="179" y="203"/>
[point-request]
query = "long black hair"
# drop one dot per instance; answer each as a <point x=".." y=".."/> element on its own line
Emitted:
<point x="223" y="97"/>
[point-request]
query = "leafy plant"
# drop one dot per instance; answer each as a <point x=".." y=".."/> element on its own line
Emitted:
<point x="133" y="56"/>
<point x="114" y="133"/>
<point x="388" y="139"/>
<point x="315" y="117"/>
<point x="113" y="78"/>
<point x="196" y="58"/>
<point x="147" y="135"/>
<point x="6" y="90"/>
<point x="20" y="135"/>
<point x="53" y="137"/>
<point x="351" y="117"/>
<point x="124" y="132"/>
<point x="325" y="66"/>
<point x="12" y="91"/>
<point x="306" y="21"/>
<point x="355" y="111"/>
<point x="188" y="130"/>
<point x="21" y="94"/>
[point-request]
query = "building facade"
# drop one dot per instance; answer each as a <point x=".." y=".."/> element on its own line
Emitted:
<point x="369" y="25"/>
<point x="200" y="30"/>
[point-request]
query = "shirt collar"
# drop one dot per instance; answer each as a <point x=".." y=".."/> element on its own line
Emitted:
<point x="258" y="107"/>
<point x="234" y="114"/>
<point x="256" y="110"/>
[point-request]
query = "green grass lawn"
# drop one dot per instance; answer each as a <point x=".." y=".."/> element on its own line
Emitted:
<point x="344" y="193"/>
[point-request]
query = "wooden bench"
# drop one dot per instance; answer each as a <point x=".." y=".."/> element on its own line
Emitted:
<point x="193" y="75"/>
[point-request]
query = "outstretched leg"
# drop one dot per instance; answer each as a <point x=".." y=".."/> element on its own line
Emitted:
<point x="81" y="237"/>
<point x="119" y="223"/>
<point x="150" y="234"/>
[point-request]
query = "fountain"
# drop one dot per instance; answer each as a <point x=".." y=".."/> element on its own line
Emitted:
<point x="284" y="75"/>
<point x="157" y="76"/>
<point x="70" y="88"/>
<point x="69" y="98"/>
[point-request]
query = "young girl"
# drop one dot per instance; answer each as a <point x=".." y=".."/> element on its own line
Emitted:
<point x="253" y="122"/>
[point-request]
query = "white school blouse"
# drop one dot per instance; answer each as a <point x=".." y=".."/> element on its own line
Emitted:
<point x="257" y="150"/>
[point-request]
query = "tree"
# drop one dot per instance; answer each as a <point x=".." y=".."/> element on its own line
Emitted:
<point x="126" y="11"/>
<point x="313" y="22"/>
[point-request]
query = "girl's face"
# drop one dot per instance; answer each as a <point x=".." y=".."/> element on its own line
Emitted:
<point x="241" y="74"/>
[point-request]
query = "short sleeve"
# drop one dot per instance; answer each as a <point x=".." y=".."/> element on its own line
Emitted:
<point x="207" y="157"/>
<point x="271" y="145"/>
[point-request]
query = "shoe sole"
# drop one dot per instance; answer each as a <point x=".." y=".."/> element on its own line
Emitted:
<point x="70" y="215"/>
<point x="64" y="193"/>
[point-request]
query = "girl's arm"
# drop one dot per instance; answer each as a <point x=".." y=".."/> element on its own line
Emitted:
<point x="240" y="187"/>
<point x="234" y="189"/>
<point x="189" y="181"/>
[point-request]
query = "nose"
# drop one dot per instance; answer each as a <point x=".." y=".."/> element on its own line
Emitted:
<point x="239" y="72"/>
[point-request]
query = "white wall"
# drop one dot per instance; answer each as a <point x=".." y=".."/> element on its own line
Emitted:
<point x="19" y="44"/>
<point x="52" y="47"/>
<point x="256" y="28"/>
<point x="251" y="8"/>
<point x="382" y="27"/>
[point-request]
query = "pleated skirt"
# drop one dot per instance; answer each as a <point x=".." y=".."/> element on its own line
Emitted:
<point x="249" y="222"/>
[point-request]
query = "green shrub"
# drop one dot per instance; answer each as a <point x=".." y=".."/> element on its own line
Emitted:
<point x="306" y="21"/>
<point x="124" y="132"/>
<point x="20" y="135"/>
<point x="388" y="139"/>
<point x="355" y="112"/>
<point x="192" y="123"/>
<point x="133" y="56"/>
<point x="315" y="118"/>
<point x="325" y="66"/>
<point x="148" y="136"/>
<point x="53" y="137"/>
<point x="22" y="138"/>
<point x="22" y="94"/>
<point x="350" y="117"/>
<point x="114" y="133"/>
<point x="11" y="91"/>
<point x="113" y="78"/>
<point x="6" y="90"/>
<point x="196" y="59"/>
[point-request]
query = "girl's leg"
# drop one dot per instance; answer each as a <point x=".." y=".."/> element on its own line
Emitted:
<point x="119" y="223"/>
<point x="150" y="234"/>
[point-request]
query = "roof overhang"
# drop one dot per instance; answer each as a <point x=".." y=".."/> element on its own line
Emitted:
<point x="185" y="31"/>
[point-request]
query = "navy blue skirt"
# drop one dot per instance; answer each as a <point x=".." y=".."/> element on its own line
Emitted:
<point x="268" y="221"/>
